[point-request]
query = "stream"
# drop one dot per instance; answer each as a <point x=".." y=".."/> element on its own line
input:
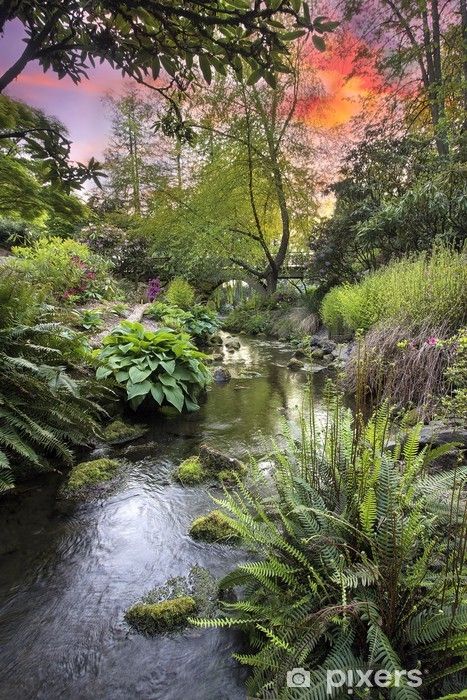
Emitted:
<point x="66" y="578"/>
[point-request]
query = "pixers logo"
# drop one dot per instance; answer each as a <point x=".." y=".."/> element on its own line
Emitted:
<point x="381" y="678"/>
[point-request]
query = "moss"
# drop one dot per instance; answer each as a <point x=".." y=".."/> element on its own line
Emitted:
<point x="213" y="527"/>
<point x="93" y="472"/>
<point x="228" y="476"/>
<point x="152" y="618"/>
<point x="118" y="432"/>
<point x="191" y="471"/>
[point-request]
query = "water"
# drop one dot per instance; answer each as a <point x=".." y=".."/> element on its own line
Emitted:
<point x="66" y="578"/>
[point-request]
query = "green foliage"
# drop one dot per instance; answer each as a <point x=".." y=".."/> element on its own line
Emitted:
<point x="191" y="471"/>
<point x="455" y="403"/>
<point x="64" y="268"/>
<point x="186" y="41"/>
<point x="89" y="473"/>
<point x="213" y="527"/>
<point x="359" y="563"/>
<point x="200" y="322"/>
<point x="127" y="247"/>
<point x="91" y="320"/>
<point x="430" y="288"/>
<point x="43" y="410"/>
<point x="393" y="198"/>
<point x="152" y="618"/>
<point x="162" y="366"/>
<point x="180" y="293"/>
<point x="15" y="232"/>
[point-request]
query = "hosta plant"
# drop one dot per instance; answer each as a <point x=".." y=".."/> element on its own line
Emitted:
<point x="361" y="564"/>
<point x="162" y="366"/>
<point x="200" y="322"/>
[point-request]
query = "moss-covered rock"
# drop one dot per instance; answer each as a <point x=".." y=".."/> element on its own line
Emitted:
<point x="214" y="461"/>
<point x="90" y="473"/>
<point x="191" y="471"/>
<point x="213" y="527"/>
<point x="118" y="433"/>
<point x="295" y="364"/>
<point x="152" y="618"/>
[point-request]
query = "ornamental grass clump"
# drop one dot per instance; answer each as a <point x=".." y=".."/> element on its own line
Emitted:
<point x="360" y="562"/>
<point x="161" y="366"/>
<point x="428" y="289"/>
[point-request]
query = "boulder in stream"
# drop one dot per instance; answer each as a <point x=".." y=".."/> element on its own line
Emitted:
<point x="295" y="364"/>
<point x="151" y="618"/>
<point x="233" y="344"/>
<point x="221" y="375"/>
<point x="213" y="527"/>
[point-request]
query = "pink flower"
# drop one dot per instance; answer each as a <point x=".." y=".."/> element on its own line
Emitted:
<point x="432" y="340"/>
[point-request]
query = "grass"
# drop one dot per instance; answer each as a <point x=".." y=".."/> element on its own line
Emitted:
<point x="428" y="289"/>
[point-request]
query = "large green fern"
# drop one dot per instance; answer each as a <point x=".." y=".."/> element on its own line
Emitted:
<point x="360" y="562"/>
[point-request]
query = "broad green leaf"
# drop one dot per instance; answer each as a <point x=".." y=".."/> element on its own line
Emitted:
<point x="174" y="395"/>
<point x="139" y="375"/>
<point x="169" y="366"/>
<point x="157" y="393"/>
<point x="205" y="66"/>
<point x="140" y="389"/>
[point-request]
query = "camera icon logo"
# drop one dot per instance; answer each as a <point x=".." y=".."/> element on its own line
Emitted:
<point x="298" y="678"/>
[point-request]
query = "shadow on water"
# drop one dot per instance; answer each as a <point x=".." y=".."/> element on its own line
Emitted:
<point x="66" y="579"/>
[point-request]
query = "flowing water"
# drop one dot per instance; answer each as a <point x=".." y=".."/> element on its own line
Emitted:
<point x="66" y="578"/>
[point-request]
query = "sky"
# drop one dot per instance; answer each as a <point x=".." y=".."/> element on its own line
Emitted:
<point x="346" y="89"/>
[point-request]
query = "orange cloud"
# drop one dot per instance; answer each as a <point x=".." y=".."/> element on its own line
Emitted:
<point x="348" y="84"/>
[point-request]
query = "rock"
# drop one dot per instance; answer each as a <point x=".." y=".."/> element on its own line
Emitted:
<point x="294" y="364"/>
<point x="216" y="339"/>
<point x="119" y="433"/>
<point x="217" y="357"/>
<point x="328" y="357"/>
<point x="191" y="471"/>
<point x="233" y="344"/>
<point x="151" y="618"/>
<point x="317" y="354"/>
<point x="221" y="375"/>
<point x="262" y="335"/>
<point x="213" y="527"/>
<point x="215" y="461"/>
<point x="90" y="473"/>
<point x="299" y="354"/>
<point x="439" y="433"/>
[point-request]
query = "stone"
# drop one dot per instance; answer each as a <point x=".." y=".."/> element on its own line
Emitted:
<point x="328" y="357"/>
<point x="216" y="339"/>
<point x="299" y="354"/>
<point x="151" y="618"/>
<point x="217" y="357"/>
<point x="213" y="527"/>
<point x="221" y="375"/>
<point x="90" y="473"/>
<point x="215" y="461"/>
<point x="119" y="433"/>
<point x="233" y="344"/>
<point x="439" y="433"/>
<point x="294" y="364"/>
<point x="191" y="471"/>
<point x="317" y="354"/>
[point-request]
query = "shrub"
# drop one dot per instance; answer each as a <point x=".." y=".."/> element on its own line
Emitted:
<point x="91" y="320"/>
<point x="152" y="618"/>
<point x="128" y="250"/>
<point x="89" y="473"/>
<point x="427" y="289"/>
<point x="403" y="364"/>
<point x="360" y="562"/>
<point x="454" y="405"/>
<point x="162" y="366"/>
<point x="43" y="410"/>
<point x="200" y="322"/>
<point x="65" y="268"/>
<point x="180" y="293"/>
<point x="13" y="232"/>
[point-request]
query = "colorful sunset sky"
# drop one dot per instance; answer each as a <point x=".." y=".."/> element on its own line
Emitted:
<point x="347" y="88"/>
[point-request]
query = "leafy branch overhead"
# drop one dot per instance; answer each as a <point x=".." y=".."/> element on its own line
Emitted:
<point x="141" y="40"/>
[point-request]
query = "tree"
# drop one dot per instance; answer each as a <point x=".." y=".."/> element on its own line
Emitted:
<point x="137" y="160"/>
<point x="28" y="131"/>
<point x="252" y="194"/>
<point x="67" y="36"/>
<point x="416" y="47"/>
<point x="36" y="176"/>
